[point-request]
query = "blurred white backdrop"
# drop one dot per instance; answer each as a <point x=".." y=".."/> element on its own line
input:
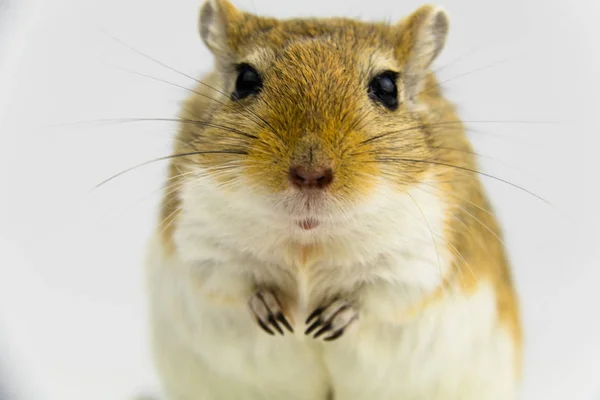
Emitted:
<point x="72" y="323"/>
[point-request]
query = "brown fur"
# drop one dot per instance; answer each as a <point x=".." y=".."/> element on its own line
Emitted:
<point x="314" y="100"/>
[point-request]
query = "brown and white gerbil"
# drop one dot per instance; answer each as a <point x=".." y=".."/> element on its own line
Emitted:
<point x="324" y="233"/>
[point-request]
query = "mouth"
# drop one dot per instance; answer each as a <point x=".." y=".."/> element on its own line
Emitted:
<point x="308" y="224"/>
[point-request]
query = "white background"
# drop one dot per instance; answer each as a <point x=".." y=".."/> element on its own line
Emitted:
<point x="72" y="322"/>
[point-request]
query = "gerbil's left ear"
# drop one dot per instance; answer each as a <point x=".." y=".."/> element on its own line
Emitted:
<point x="219" y="19"/>
<point x="422" y="37"/>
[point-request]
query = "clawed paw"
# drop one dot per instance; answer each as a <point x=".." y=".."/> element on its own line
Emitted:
<point x="267" y="310"/>
<point x="331" y="321"/>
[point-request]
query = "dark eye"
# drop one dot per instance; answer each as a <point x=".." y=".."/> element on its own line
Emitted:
<point x="384" y="90"/>
<point x="248" y="82"/>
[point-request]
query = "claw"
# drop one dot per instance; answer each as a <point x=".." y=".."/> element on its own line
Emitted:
<point x="335" y="335"/>
<point x="322" y="330"/>
<point x="314" y="326"/>
<point x="274" y="324"/>
<point x="267" y="310"/>
<point x="285" y="322"/>
<point x="265" y="327"/>
<point x="331" y="321"/>
<point x="314" y="315"/>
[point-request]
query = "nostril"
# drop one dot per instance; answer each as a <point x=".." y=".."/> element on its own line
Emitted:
<point x="311" y="178"/>
<point x="296" y="176"/>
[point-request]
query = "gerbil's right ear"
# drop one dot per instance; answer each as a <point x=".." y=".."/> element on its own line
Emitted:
<point x="218" y="21"/>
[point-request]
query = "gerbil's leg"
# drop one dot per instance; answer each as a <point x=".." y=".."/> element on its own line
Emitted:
<point x="267" y="310"/>
<point x="332" y="321"/>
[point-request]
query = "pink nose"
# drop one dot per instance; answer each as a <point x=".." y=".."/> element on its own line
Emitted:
<point x="317" y="178"/>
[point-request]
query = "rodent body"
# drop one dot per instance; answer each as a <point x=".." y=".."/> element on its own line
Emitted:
<point x="393" y="249"/>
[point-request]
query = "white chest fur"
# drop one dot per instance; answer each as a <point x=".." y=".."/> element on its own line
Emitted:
<point x="396" y="238"/>
<point x="209" y="347"/>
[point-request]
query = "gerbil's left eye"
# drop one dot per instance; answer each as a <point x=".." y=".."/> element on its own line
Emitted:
<point x="248" y="82"/>
<point x="384" y="90"/>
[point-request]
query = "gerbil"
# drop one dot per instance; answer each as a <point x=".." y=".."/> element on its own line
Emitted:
<point x="323" y="233"/>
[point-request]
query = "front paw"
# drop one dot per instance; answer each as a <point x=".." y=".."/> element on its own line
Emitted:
<point x="332" y="320"/>
<point x="267" y="310"/>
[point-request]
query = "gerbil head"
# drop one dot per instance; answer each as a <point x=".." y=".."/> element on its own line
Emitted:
<point x="308" y="113"/>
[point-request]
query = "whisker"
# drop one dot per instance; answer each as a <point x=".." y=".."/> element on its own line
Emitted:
<point x="480" y="208"/>
<point x="509" y="121"/>
<point x="189" y="77"/>
<point x="168" y="220"/>
<point x="461" y="75"/>
<point x="483" y="225"/>
<point x="467" y="170"/>
<point x="381" y="136"/>
<point x="459" y="58"/>
<point x="161" y="80"/>
<point x="356" y="124"/>
<point x="169" y="188"/>
<point x="470" y="232"/>
<point x="256" y="121"/>
<point x="465" y="263"/>
<point x="353" y="126"/>
<point x="154" y="60"/>
<point x="238" y="152"/>
<point x="388" y="151"/>
<point x="180" y="120"/>
<point x="434" y="124"/>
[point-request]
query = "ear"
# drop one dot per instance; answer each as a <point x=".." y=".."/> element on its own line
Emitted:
<point x="423" y="35"/>
<point x="218" y="20"/>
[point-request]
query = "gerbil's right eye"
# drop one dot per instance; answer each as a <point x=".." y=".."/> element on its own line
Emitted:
<point x="248" y="82"/>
